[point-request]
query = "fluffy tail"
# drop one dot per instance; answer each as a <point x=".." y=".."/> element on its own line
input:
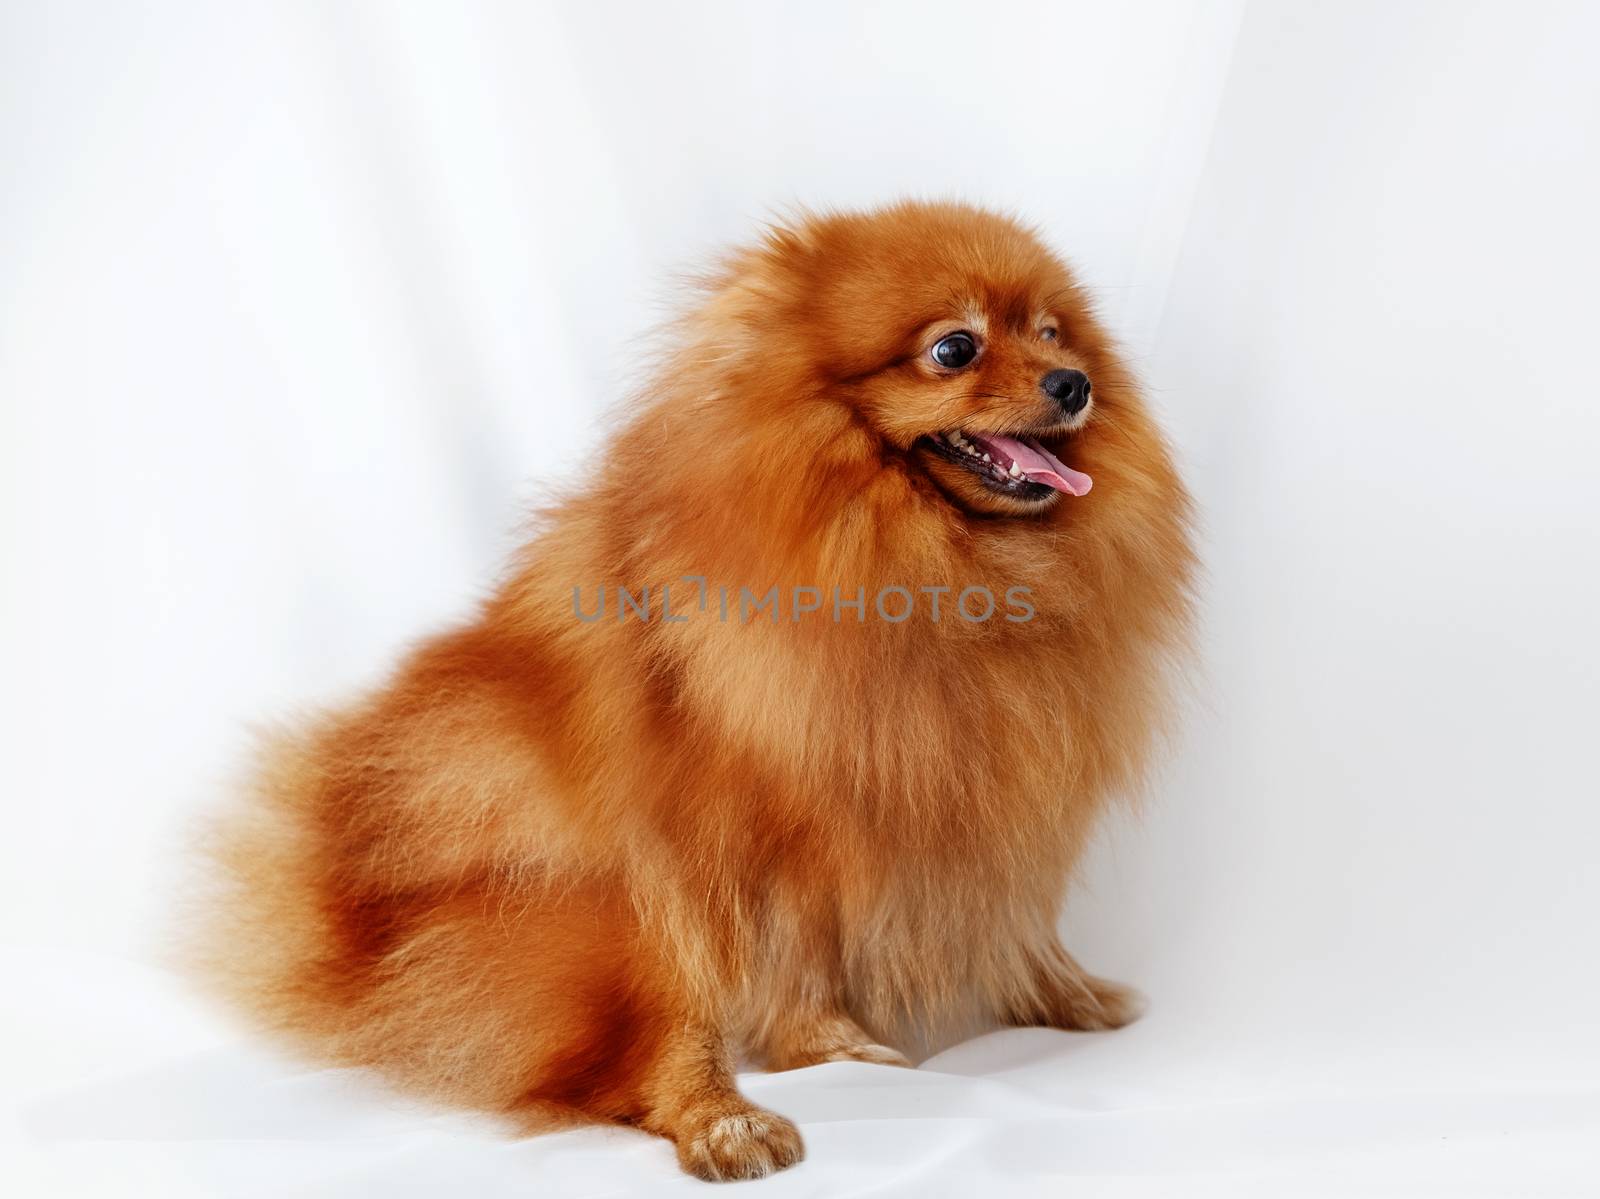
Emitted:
<point x="259" y="935"/>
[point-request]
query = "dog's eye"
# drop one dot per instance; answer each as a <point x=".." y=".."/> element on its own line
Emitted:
<point x="1049" y="333"/>
<point x="955" y="351"/>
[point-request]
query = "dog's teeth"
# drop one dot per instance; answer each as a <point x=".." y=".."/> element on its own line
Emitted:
<point x="1016" y="471"/>
<point x="986" y="458"/>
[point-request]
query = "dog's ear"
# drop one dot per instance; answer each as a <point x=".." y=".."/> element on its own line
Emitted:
<point x="793" y="237"/>
<point x="739" y="299"/>
<point x="751" y="298"/>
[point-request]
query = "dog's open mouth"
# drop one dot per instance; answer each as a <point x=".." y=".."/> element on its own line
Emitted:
<point x="1019" y="467"/>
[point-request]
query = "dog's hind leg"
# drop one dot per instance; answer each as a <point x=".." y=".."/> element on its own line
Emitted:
<point x="1062" y="994"/>
<point x="812" y="1038"/>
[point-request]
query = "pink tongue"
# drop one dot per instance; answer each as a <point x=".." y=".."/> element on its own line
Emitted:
<point x="1040" y="465"/>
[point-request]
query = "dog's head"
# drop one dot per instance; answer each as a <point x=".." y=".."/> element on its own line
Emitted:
<point x="958" y="339"/>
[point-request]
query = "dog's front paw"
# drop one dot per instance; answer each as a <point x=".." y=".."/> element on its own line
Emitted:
<point x="748" y="1144"/>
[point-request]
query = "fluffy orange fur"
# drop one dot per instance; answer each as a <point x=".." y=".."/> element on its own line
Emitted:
<point x="572" y="869"/>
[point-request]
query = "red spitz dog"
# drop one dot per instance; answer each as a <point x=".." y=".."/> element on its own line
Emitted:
<point x="783" y="734"/>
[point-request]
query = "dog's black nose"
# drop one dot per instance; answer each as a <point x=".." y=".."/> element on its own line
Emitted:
<point x="1070" y="389"/>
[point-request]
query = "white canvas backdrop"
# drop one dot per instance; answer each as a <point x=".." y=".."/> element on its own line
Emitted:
<point x="299" y="304"/>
